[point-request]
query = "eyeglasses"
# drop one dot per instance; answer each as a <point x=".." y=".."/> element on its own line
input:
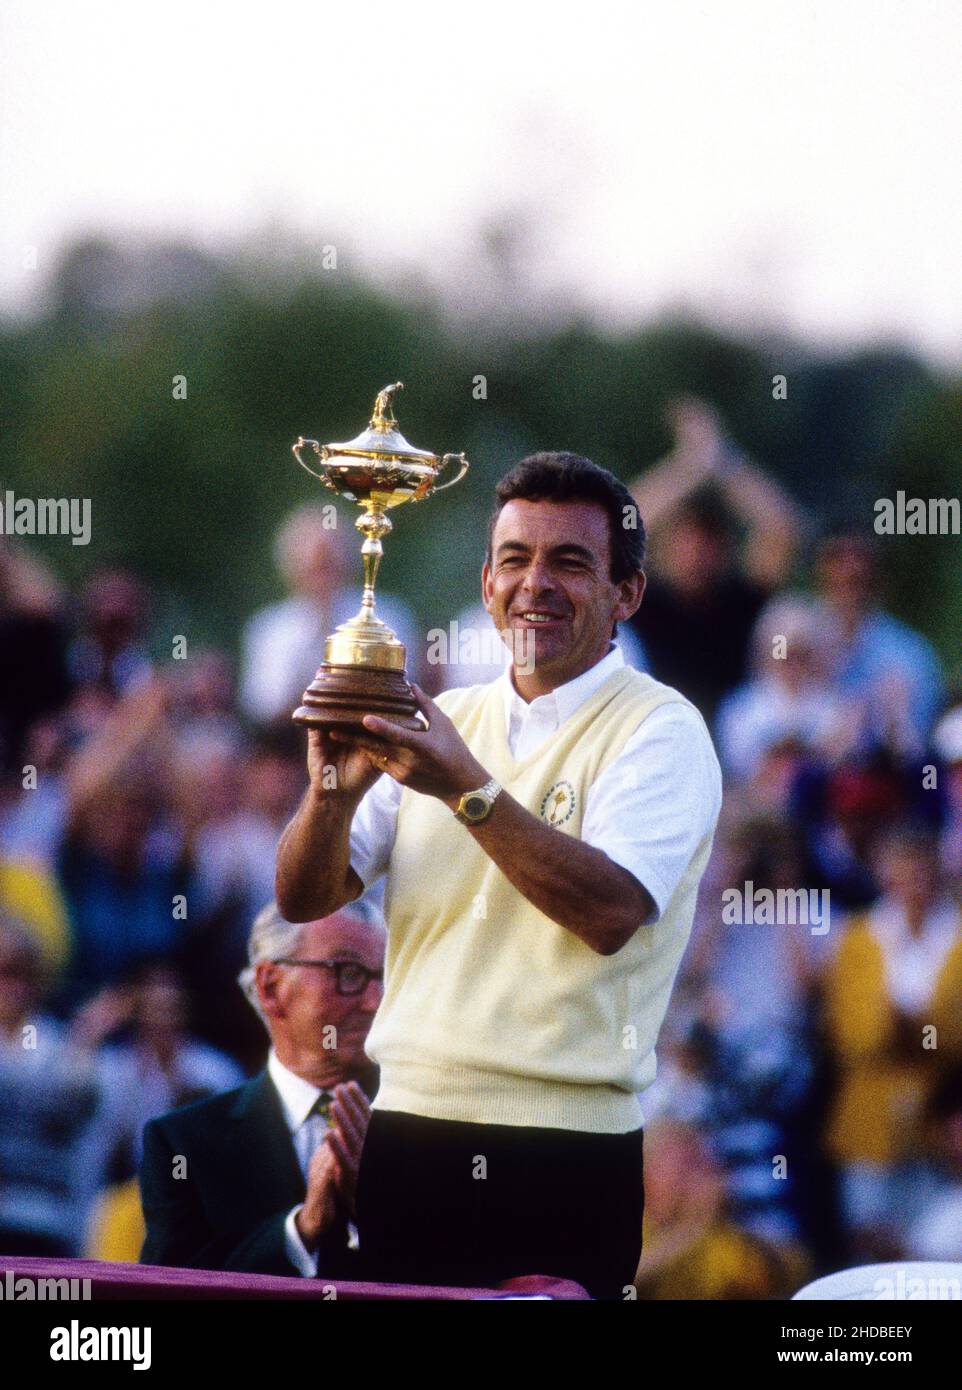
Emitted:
<point x="349" y="976"/>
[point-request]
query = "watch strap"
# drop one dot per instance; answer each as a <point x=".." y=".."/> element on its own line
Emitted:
<point x="490" y="791"/>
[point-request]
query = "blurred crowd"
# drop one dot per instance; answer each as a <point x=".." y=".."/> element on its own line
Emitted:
<point x="808" y="1108"/>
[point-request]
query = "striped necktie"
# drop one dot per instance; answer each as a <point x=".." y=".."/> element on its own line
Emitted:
<point x="322" y="1106"/>
<point x="311" y="1134"/>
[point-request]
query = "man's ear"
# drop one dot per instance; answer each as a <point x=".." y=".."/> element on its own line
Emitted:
<point x="630" y="593"/>
<point x="266" y="980"/>
<point x="487" y="586"/>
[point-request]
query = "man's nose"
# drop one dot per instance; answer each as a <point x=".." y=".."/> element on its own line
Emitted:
<point x="538" y="578"/>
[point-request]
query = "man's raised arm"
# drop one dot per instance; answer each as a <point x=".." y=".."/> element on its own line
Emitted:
<point x="314" y="874"/>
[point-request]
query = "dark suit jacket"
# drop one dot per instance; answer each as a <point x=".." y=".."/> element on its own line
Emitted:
<point x="240" y="1179"/>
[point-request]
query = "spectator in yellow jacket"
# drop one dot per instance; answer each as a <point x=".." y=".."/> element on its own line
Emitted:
<point x="893" y="1010"/>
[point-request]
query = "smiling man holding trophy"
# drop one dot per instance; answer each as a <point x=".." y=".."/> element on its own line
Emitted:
<point x="542" y="839"/>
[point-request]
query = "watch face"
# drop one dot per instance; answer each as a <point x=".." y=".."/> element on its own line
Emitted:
<point x="475" y="807"/>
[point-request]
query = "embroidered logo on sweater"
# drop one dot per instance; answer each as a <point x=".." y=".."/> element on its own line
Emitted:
<point x="558" y="804"/>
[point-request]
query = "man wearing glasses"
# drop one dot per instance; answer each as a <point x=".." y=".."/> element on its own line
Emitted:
<point x="261" y="1179"/>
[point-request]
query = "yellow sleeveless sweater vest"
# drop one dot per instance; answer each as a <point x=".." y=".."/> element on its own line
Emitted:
<point x="493" y="1013"/>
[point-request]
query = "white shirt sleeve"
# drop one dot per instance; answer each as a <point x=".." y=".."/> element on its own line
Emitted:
<point x="650" y="809"/>
<point x="300" y="1257"/>
<point x="373" y="829"/>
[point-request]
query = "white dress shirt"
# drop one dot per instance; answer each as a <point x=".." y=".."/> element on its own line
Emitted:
<point x="912" y="963"/>
<point x="297" y="1098"/>
<point x="647" y="811"/>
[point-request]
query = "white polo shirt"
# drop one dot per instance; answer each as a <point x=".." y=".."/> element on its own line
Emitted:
<point x="648" y="811"/>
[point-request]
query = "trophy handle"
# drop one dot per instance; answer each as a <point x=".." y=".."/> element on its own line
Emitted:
<point x="450" y="458"/>
<point x="318" y="448"/>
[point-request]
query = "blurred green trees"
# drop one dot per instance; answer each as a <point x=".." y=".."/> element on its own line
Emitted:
<point x="189" y="492"/>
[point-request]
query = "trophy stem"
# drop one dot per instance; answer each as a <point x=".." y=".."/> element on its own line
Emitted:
<point x="371" y="552"/>
<point x="375" y="524"/>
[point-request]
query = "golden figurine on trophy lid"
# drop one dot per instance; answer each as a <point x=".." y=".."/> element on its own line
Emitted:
<point x="363" y="668"/>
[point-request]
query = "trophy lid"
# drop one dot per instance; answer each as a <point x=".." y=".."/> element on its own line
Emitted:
<point x="382" y="439"/>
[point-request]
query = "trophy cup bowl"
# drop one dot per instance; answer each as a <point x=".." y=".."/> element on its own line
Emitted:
<point x="363" y="668"/>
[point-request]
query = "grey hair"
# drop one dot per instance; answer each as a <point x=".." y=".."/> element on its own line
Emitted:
<point x="796" y="617"/>
<point x="301" y="529"/>
<point x="272" y="937"/>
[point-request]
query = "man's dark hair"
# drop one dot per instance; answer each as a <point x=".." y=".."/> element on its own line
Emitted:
<point x="707" y="510"/>
<point x="563" y="477"/>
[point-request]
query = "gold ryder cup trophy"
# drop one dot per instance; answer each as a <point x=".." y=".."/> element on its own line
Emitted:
<point x="363" y="668"/>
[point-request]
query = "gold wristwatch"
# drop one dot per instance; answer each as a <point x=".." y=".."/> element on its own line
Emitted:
<point x="474" y="807"/>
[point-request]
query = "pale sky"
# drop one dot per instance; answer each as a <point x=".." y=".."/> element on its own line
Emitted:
<point x="766" y="163"/>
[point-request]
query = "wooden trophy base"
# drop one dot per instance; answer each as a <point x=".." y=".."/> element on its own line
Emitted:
<point x="340" y="696"/>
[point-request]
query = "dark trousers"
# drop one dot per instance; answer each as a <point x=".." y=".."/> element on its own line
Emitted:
<point x="441" y="1202"/>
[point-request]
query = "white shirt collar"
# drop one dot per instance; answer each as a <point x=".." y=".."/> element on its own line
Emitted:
<point x="938" y="930"/>
<point x="561" y="702"/>
<point x="297" y="1095"/>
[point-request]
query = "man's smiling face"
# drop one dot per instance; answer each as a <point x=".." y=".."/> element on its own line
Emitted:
<point x="549" y="582"/>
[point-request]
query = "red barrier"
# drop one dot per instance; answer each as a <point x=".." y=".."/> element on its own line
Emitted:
<point x="123" y="1281"/>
